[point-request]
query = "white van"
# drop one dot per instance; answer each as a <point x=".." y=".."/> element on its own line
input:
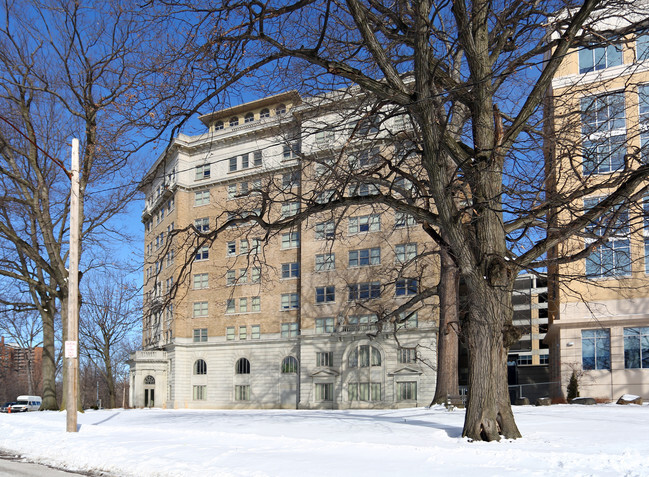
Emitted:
<point x="27" y="403"/>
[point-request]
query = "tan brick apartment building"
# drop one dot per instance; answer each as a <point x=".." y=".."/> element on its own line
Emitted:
<point x="599" y="310"/>
<point x="284" y="319"/>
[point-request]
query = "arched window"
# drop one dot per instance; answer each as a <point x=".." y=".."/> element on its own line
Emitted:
<point x="264" y="113"/>
<point x="149" y="380"/>
<point x="218" y="125"/>
<point x="364" y="356"/>
<point x="280" y="109"/>
<point x="249" y="118"/>
<point x="243" y="366"/>
<point x="289" y="365"/>
<point x="234" y="121"/>
<point x="200" y="367"/>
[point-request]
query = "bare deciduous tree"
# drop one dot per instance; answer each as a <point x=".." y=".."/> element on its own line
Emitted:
<point x="112" y="311"/>
<point x="471" y="78"/>
<point x="67" y="71"/>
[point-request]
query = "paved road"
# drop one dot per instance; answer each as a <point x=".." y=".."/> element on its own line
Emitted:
<point x="11" y="466"/>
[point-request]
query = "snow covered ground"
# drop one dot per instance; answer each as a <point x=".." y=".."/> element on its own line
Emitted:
<point x="561" y="440"/>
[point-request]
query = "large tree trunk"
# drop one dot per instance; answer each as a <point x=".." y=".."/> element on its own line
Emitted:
<point x="48" y="362"/>
<point x="489" y="333"/>
<point x="449" y="328"/>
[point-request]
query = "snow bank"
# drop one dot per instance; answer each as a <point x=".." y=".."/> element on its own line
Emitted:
<point x="563" y="440"/>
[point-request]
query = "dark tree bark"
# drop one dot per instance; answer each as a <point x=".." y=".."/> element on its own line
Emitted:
<point x="449" y="330"/>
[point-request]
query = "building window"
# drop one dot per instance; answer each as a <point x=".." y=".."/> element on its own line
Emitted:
<point x="200" y="367"/>
<point x="324" y="136"/>
<point x="364" y="356"/>
<point x="243" y="276"/>
<point x="255" y="275"/>
<point x="229" y="333"/>
<point x="230" y="277"/>
<point x="232" y="164"/>
<point x="230" y="305"/>
<point x="597" y="58"/>
<point x="242" y="392"/>
<point x="202" y="172"/>
<point x="361" y="322"/>
<point x="363" y="189"/>
<point x="364" y="291"/>
<point x="291" y="151"/>
<point x="290" y="301"/>
<point x="231" y="249"/>
<point x="200" y="335"/>
<point x="243" y="305"/>
<point x="544" y="359"/>
<point x="245" y="161"/>
<point x="402" y="220"/>
<point x="406" y="355"/>
<point x="232" y="191"/>
<point x="364" y="257"/>
<point x="257" y="161"/>
<point x="324" y="392"/>
<point x="289" y="365"/>
<point x="248" y="118"/>
<point x="364" y="223"/>
<point x="407" y="286"/>
<point x="200" y="393"/>
<point x="324" y="325"/>
<point x="264" y="113"/>
<point x="603" y="130"/>
<point x="324" y="262"/>
<point x="325" y="294"/>
<point x="243" y="333"/>
<point x="325" y="230"/>
<point x="255" y="332"/>
<point x="636" y="347"/>
<point x="407" y="391"/>
<point x="218" y="125"/>
<point x="290" y="179"/>
<point x="200" y="309"/>
<point x="289" y="330"/>
<point x="596" y="349"/>
<point x="290" y="208"/>
<point x="280" y="109"/>
<point x="202" y="225"/>
<point x="524" y="359"/>
<point x="290" y="240"/>
<point x="364" y="391"/>
<point x="256" y="303"/>
<point x="202" y="197"/>
<point x="290" y="270"/>
<point x="407" y="320"/>
<point x="325" y="197"/>
<point x="405" y="252"/>
<point x="324" y="358"/>
<point x="612" y="258"/>
<point x="242" y="366"/>
<point x="234" y="121"/>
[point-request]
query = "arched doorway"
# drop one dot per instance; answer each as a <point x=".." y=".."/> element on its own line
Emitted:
<point x="149" y="391"/>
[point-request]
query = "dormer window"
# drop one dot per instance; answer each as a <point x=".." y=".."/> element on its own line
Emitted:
<point x="264" y="113"/>
<point x="234" y="121"/>
<point x="218" y="125"/>
<point x="249" y="118"/>
<point x="281" y="109"/>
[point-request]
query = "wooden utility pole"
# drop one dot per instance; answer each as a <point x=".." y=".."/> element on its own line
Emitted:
<point x="72" y="340"/>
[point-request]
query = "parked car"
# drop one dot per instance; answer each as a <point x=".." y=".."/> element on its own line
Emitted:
<point x="26" y="403"/>
<point x="5" y="407"/>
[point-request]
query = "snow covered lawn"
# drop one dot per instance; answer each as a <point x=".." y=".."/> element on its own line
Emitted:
<point x="602" y="440"/>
